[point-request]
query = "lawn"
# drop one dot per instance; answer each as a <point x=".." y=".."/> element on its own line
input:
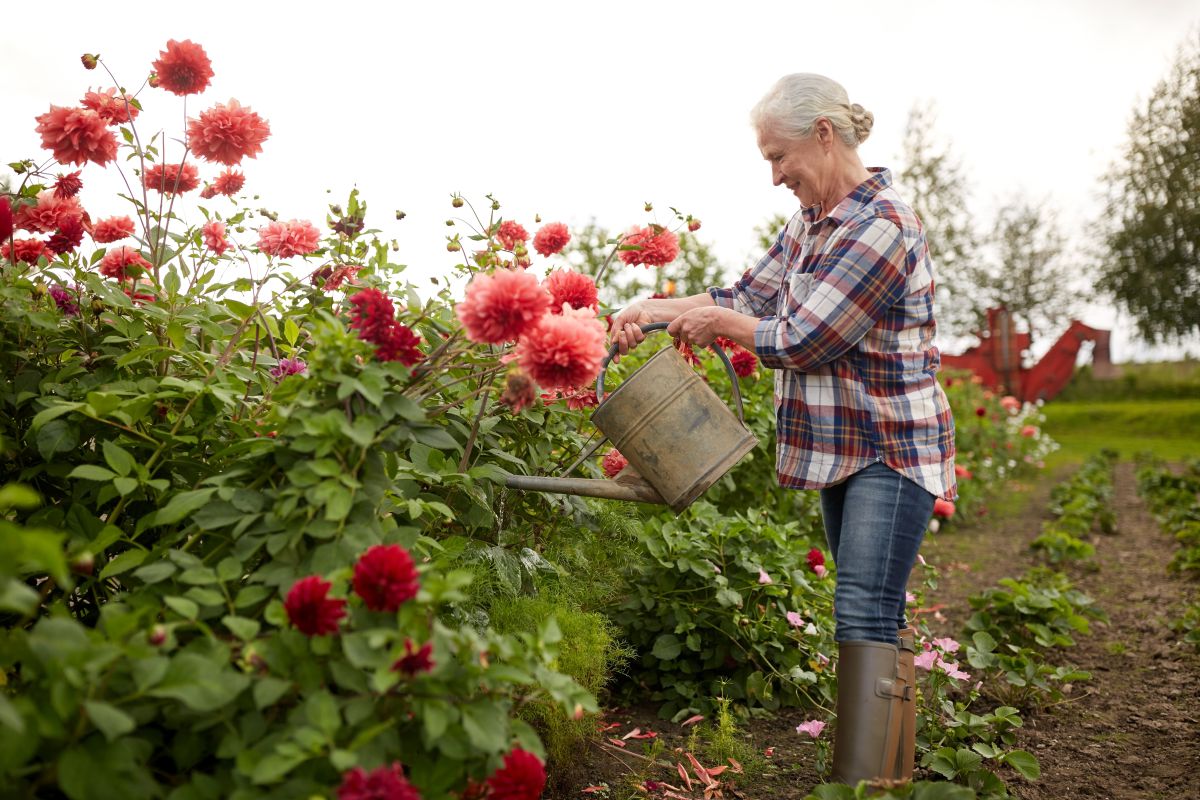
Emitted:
<point x="1168" y="428"/>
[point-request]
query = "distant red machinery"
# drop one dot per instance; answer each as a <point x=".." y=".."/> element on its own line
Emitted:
<point x="997" y="358"/>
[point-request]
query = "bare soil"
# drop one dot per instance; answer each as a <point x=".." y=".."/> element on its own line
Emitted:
<point x="1131" y="732"/>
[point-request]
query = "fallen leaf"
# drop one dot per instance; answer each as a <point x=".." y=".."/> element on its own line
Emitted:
<point x="683" y="774"/>
<point x="617" y="742"/>
<point x="593" y="789"/>
<point x="717" y="770"/>
<point x="632" y="733"/>
<point x="692" y="720"/>
<point x="700" y="771"/>
<point x="736" y="766"/>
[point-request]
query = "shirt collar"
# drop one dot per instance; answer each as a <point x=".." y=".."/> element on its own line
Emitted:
<point x="861" y="195"/>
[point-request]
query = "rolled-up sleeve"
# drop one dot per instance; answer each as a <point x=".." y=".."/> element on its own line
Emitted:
<point x="852" y="287"/>
<point x="756" y="292"/>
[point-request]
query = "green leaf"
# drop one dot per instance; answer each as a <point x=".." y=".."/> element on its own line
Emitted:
<point x="53" y="412"/>
<point x="667" y="647"/>
<point x="16" y="495"/>
<point x="104" y="403"/>
<point x="244" y="629"/>
<point x="125" y="486"/>
<point x="291" y="331"/>
<point x="322" y="711"/>
<point x="182" y="606"/>
<point x="57" y="436"/>
<point x="199" y="683"/>
<point x="10" y="716"/>
<point x="153" y="573"/>
<point x="118" y="458"/>
<point x="124" y="562"/>
<point x="486" y="725"/>
<point x="267" y="690"/>
<point x="112" y="721"/>
<point x="1025" y="763"/>
<point x="182" y="505"/>
<point x="92" y="472"/>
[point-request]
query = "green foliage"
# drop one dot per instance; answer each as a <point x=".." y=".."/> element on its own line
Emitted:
<point x="1174" y="500"/>
<point x="706" y="625"/>
<point x="1079" y="504"/>
<point x="917" y="790"/>
<point x="1151" y="225"/>
<point x="1167" y="380"/>
<point x="1169" y="428"/>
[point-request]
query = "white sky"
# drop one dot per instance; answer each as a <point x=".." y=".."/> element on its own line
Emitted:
<point x="587" y="110"/>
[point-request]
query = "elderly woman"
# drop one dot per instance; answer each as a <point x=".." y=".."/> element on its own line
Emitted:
<point x="841" y="307"/>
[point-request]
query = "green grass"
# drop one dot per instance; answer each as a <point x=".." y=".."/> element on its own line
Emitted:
<point x="1170" y="429"/>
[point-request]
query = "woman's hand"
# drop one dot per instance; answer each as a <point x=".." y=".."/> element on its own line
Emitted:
<point x="699" y="327"/>
<point x="627" y="325"/>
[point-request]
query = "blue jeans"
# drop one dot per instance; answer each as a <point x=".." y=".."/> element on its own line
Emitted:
<point x="874" y="522"/>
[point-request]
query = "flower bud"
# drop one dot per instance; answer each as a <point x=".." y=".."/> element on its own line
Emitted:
<point x="693" y="225"/>
<point x="153" y="80"/>
<point x="495" y="205"/>
<point x="457" y="202"/>
<point x="157" y="635"/>
<point x="83" y="564"/>
<point x="39" y="290"/>
<point x="449" y="223"/>
<point x="649" y="206"/>
<point x="89" y="60"/>
<point x="453" y="247"/>
<point x="400" y="214"/>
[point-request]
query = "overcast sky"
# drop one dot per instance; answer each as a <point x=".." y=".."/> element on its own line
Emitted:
<point x="578" y="111"/>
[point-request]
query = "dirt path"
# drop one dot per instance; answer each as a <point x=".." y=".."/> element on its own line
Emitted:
<point x="1133" y="731"/>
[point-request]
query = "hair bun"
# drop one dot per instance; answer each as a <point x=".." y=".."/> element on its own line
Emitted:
<point x="862" y="120"/>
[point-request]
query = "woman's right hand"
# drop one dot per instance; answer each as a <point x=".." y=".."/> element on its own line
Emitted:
<point x="627" y="325"/>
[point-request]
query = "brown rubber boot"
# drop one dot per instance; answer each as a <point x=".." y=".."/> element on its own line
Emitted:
<point x="866" y="743"/>
<point x="906" y="682"/>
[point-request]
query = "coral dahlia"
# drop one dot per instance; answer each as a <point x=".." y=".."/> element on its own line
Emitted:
<point x="171" y="178"/>
<point x="501" y="306"/>
<point x="311" y="610"/>
<point x="118" y="261"/>
<point x="510" y="233"/>
<point x="114" y="109"/>
<point x="551" y="238"/>
<point x="76" y="136"/>
<point x="521" y="778"/>
<point x="48" y="213"/>
<point x="385" y="577"/>
<point x="573" y="288"/>
<point x="227" y="133"/>
<point x="112" y="229"/>
<point x="657" y="246"/>
<point x="287" y="239"/>
<point x="183" y="68"/>
<point x="563" y="352"/>
<point x="229" y="183"/>
<point x="613" y="463"/>
<point x="27" y="250"/>
<point x="214" y="237"/>
<point x="68" y="185"/>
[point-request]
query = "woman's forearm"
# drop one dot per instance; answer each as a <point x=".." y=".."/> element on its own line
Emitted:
<point x="666" y="309"/>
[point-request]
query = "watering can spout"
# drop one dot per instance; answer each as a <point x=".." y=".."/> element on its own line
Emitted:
<point x="623" y="488"/>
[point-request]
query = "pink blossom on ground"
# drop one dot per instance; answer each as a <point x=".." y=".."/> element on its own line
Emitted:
<point x="820" y="570"/>
<point x="794" y="619"/>
<point x="953" y="671"/>
<point x="286" y="239"/>
<point x="926" y="659"/>
<point x="909" y="597"/>
<point x="946" y="645"/>
<point x="764" y="578"/>
<point x="812" y="728"/>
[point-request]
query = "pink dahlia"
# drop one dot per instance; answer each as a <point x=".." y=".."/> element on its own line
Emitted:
<point x="570" y="287"/>
<point x="112" y="229"/>
<point x="287" y="239"/>
<point x="48" y="213"/>
<point x="656" y="245"/>
<point x="962" y="472"/>
<point x="329" y="278"/>
<point x="183" y="68"/>
<point x="510" y="233"/>
<point x="551" y="238"/>
<point x="311" y="610"/>
<point x="227" y="133"/>
<point x="613" y="463"/>
<point x="114" y="109"/>
<point x="1029" y="431"/>
<point x="415" y="660"/>
<point x="943" y="508"/>
<point x="65" y="300"/>
<point x="27" y="250"/>
<point x="123" y="262"/>
<point x="171" y="178"/>
<point x="519" y="392"/>
<point x="563" y="352"/>
<point x="76" y="136"/>
<point x="501" y="306"/>
<point x="382" y="783"/>
<point x="68" y="185"/>
<point x="521" y="778"/>
<point x="229" y="183"/>
<point x="214" y="237"/>
<point x="385" y="577"/>
<point x="581" y="398"/>
<point x="288" y="366"/>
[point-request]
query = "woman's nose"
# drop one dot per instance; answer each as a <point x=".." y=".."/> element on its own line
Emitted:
<point x="776" y="175"/>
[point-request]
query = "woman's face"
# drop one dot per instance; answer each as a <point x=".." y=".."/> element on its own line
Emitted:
<point x="797" y="164"/>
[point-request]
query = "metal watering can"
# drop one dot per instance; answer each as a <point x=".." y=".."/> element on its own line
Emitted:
<point x="677" y="435"/>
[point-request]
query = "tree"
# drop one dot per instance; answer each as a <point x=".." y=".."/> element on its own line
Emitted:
<point x="1151" y="226"/>
<point x="1027" y="271"/>
<point x="933" y="181"/>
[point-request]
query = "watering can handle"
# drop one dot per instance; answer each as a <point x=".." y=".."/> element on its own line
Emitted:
<point x="662" y="326"/>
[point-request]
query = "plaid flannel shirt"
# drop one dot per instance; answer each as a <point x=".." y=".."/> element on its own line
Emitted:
<point x="845" y="308"/>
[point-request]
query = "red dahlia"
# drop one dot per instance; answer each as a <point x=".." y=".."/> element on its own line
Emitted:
<point x="311" y="610"/>
<point x="521" y="778"/>
<point x="415" y="660"/>
<point x="399" y="344"/>
<point x="183" y="68"/>
<point x="68" y="236"/>
<point x="382" y="783"/>
<point x="68" y="185"/>
<point x="614" y="462"/>
<point x="372" y="315"/>
<point x="815" y="559"/>
<point x="744" y="362"/>
<point x="385" y="577"/>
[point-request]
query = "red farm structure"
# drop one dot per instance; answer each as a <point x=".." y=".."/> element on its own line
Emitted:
<point x="997" y="360"/>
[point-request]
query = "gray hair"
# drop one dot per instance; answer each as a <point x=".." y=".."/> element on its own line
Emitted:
<point x="796" y="101"/>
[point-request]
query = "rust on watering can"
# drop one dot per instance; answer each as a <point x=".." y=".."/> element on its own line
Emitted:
<point x="677" y="435"/>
